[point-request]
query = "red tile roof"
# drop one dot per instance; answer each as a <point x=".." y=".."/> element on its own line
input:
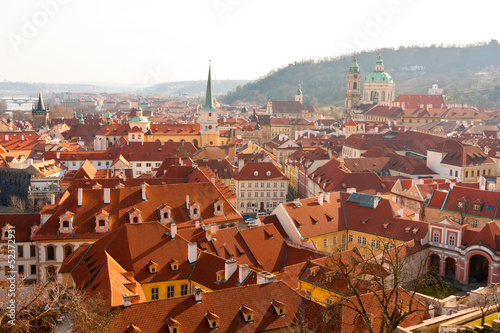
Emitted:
<point x="260" y="171"/>
<point x="123" y="199"/>
<point x="416" y="101"/>
<point x="226" y="304"/>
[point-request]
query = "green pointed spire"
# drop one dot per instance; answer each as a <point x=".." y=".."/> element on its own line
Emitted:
<point x="81" y="121"/>
<point x="209" y="100"/>
<point x="354" y="66"/>
<point x="299" y="89"/>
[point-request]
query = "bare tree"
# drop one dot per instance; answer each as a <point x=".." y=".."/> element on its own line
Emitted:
<point x="61" y="112"/>
<point x="376" y="299"/>
<point x="49" y="307"/>
<point x="18" y="203"/>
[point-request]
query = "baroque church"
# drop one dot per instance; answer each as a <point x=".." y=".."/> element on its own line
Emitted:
<point x="378" y="87"/>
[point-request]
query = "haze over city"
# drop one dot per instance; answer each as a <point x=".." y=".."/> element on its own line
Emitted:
<point x="130" y="41"/>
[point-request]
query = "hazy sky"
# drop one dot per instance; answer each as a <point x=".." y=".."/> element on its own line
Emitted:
<point x="150" y="41"/>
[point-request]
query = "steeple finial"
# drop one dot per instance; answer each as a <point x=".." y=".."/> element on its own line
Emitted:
<point x="209" y="100"/>
<point x="299" y="89"/>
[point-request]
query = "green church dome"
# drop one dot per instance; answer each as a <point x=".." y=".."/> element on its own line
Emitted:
<point x="379" y="77"/>
<point x="139" y="119"/>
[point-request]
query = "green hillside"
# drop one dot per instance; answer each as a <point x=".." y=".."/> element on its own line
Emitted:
<point x="414" y="70"/>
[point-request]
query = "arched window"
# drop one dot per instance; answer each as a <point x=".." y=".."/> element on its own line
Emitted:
<point x="68" y="249"/>
<point x="51" y="252"/>
<point x="133" y="136"/>
<point x="383" y="95"/>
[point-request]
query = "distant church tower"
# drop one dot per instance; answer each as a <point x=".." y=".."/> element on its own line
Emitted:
<point x="40" y="114"/>
<point x="298" y="96"/>
<point x="209" y="126"/>
<point x="353" y="95"/>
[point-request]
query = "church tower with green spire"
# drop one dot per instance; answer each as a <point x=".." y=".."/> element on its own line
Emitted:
<point x="298" y="96"/>
<point x="40" y="114"/>
<point x="209" y="127"/>
<point x="353" y="95"/>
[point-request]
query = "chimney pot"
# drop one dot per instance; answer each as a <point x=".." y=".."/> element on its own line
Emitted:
<point x="126" y="300"/>
<point x="230" y="267"/>
<point x="80" y="197"/>
<point x="243" y="272"/>
<point x="107" y="196"/>
<point x="192" y="252"/>
<point x="173" y="229"/>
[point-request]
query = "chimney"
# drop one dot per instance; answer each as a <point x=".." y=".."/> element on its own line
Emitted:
<point x="107" y="196"/>
<point x="126" y="300"/>
<point x="173" y="230"/>
<point x="416" y="217"/>
<point x="208" y="235"/>
<point x="6" y="137"/>
<point x="320" y="199"/>
<point x="265" y="277"/>
<point x="52" y="199"/>
<point x="197" y="294"/>
<point x="243" y="272"/>
<point x="230" y="267"/>
<point x="327" y="197"/>
<point x="401" y="211"/>
<point x="212" y="180"/>
<point x="452" y="185"/>
<point x="296" y="201"/>
<point x="22" y="137"/>
<point x="187" y="201"/>
<point x="376" y="200"/>
<point x="80" y="197"/>
<point x="192" y="252"/>
<point x="197" y="224"/>
<point x="144" y="196"/>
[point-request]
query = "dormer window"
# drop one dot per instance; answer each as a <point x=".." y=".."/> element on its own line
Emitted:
<point x="220" y="276"/>
<point x="173" y="325"/>
<point x="279" y="307"/>
<point x="255" y="173"/>
<point x="329" y="277"/>
<point x="174" y="264"/>
<point x="194" y="210"/>
<point x="102" y="221"/>
<point x="66" y="222"/>
<point x="268" y="173"/>
<point x="135" y="215"/>
<point x="218" y="208"/>
<point x="5" y="232"/>
<point x="247" y="313"/>
<point x="165" y="213"/>
<point x="477" y="207"/>
<point x="314" y="271"/>
<point x="153" y="267"/>
<point x="212" y="319"/>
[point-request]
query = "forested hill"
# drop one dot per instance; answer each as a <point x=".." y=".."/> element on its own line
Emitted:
<point x="414" y="70"/>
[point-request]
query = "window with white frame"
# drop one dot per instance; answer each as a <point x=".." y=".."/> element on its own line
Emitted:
<point x="325" y="242"/>
<point x="451" y="239"/>
<point x="435" y="237"/>
<point x="350" y="238"/>
<point x="358" y="240"/>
